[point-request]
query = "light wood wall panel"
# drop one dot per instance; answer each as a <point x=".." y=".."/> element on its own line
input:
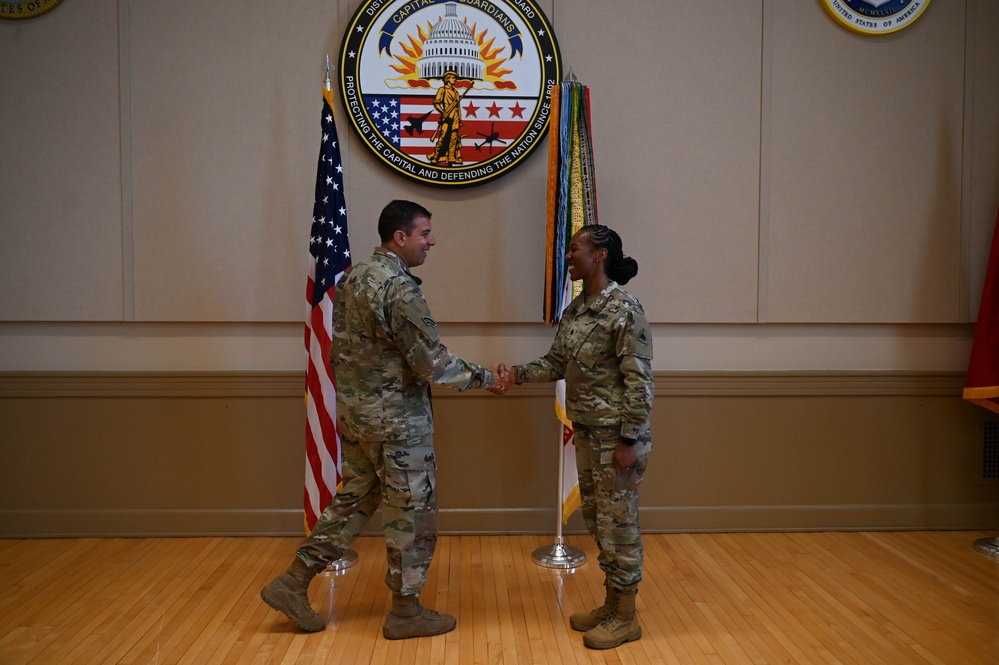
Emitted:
<point x="981" y="187"/>
<point x="675" y="89"/>
<point x="60" y="166"/>
<point x="171" y="179"/>
<point x="488" y="264"/>
<point x="201" y="453"/>
<point x="865" y="169"/>
<point x="225" y="116"/>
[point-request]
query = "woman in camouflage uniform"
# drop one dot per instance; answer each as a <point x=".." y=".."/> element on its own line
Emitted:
<point x="603" y="350"/>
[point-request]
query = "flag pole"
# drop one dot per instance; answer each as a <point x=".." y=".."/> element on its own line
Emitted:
<point x="559" y="555"/>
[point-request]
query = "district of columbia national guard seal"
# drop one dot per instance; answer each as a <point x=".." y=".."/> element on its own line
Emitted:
<point x="25" y="9"/>
<point x="875" y="17"/>
<point x="449" y="92"/>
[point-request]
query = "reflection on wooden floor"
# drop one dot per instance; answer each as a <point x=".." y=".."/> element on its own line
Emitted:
<point x="885" y="597"/>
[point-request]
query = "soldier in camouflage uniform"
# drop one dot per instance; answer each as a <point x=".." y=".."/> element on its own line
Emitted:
<point x="384" y="354"/>
<point x="603" y="350"/>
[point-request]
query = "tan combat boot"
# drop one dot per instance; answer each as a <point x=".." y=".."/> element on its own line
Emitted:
<point x="584" y="621"/>
<point x="408" y="618"/>
<point x="620" y="627"/>
<point x="289" y="593"/>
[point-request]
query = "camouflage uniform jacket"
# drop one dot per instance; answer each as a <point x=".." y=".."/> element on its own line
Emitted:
<point x="603" y="350"/>
<point x="386" y="350"/>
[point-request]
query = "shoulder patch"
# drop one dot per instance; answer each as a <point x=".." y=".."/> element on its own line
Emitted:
<point x="409" y="295"/>
<point x="429" y="321"/>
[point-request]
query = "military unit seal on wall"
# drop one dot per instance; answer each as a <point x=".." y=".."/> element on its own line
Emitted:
<point x="875" y="17"/>
<point x="449" y="92"/>
<point x="29" y="9"/>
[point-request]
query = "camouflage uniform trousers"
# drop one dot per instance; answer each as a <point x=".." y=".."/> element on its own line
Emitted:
<point x="399" y="475"/>
<point x="610" y="501"/>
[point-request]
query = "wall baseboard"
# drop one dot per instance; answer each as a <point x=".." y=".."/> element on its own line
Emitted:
<point x="687" y="519"/>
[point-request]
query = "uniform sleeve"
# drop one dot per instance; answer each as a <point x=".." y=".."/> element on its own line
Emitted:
<point x="549" y="367"/>
<point x="634" y="351"/>
<point x="415" y="332"/>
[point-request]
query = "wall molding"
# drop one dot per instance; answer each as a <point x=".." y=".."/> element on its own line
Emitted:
<point x="251" y="383"/>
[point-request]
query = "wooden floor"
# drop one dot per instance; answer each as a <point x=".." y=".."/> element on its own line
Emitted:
<point x="888" y="597"/>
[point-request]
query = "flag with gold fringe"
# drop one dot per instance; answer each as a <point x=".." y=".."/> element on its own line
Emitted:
<point x="572" y="203"/>
<point x="981" y="385"/>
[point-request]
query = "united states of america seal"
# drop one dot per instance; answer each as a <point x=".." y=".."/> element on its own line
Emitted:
<point x="875" y="17"/>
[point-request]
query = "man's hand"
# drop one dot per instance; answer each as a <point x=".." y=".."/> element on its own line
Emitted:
<point x="503" y="379"/>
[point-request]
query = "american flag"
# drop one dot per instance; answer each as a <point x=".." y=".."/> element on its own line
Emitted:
<point x="330" y="250"/>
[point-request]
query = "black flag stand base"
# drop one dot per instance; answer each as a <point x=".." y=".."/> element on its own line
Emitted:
<point x="348" y="559"/>
<point x="988" y="546"/>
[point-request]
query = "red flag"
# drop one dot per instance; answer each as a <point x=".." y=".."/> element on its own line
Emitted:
<point x="330" y="250"/>
<point x="982" y="383"/>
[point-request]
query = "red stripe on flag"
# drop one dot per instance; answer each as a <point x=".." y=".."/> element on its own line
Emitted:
<point x="325" y="440"/>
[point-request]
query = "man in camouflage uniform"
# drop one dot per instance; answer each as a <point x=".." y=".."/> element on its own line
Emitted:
<point x="603" y="350"/>
<point x="384" y="354"/>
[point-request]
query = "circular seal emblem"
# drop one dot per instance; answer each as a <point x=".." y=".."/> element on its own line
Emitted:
<point x="18" y="10"/>
<point x="449" y="92"/>
<point x="875" y="17"/>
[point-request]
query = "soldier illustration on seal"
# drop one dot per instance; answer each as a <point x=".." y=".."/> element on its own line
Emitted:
<point x="447" y="150"/>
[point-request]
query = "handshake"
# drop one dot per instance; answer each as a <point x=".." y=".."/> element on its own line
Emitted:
<point x="503" y="379"/>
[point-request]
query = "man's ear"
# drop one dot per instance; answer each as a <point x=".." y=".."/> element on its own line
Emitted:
<point x="399" y="237"/>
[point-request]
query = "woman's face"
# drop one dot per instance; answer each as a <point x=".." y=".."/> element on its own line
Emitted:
<point x="585" y="262"/>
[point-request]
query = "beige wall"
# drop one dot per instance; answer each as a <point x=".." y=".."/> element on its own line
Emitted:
<point x="799" y="198"/>
<point x="763" y="164"/>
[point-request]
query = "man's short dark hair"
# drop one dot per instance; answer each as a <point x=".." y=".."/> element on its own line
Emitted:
<point x="399" y="216"/>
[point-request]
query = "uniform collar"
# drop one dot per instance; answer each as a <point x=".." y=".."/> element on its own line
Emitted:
<point x="392" y="256"/>
<point x="597" y="302"/>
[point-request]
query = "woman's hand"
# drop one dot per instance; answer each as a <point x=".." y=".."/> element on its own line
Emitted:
<point x="624" y="457"/>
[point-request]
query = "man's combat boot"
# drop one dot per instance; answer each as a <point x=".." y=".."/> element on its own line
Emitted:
<point x="289" y="593"/>
<point x="408" y="618"/>
<point x="619" y="627"/>
<point x="584" y="621"/>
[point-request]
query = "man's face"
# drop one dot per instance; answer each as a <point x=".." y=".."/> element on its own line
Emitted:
<point x="417" y="244"/>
